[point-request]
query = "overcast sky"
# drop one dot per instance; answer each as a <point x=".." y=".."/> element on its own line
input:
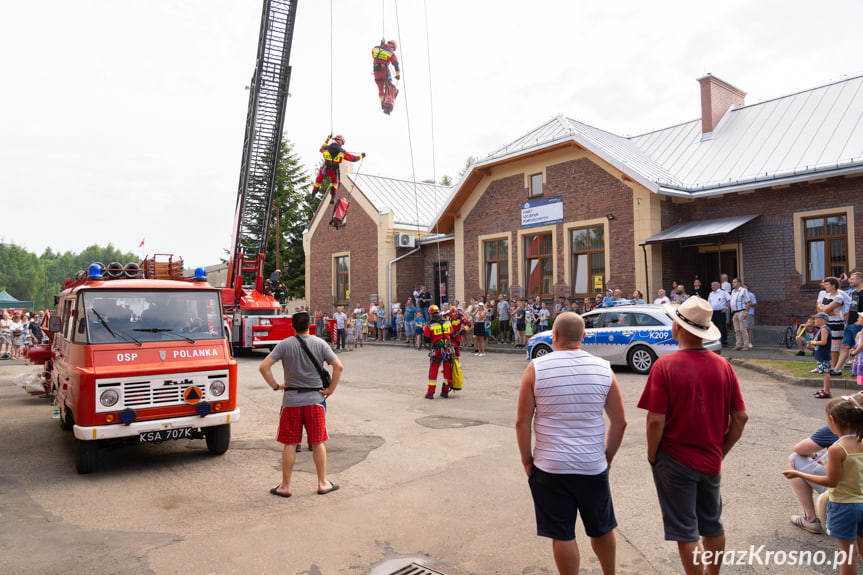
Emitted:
<point x="123" y="119"/>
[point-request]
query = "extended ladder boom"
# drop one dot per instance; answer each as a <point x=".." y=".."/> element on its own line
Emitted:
<point x="267" y="98"/>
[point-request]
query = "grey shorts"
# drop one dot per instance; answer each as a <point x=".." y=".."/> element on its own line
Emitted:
<point x="750" y="321"/>
<point x="689" y="499"/>
<point x="798" y="461"/>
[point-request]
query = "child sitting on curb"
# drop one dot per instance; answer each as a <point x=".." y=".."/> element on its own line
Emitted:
<point x="805" y="334"/>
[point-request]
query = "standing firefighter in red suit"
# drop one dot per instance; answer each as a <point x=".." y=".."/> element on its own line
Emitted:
<point x="384" y="55"/>
<point x="333" y="155"/>
<point x="437" y="332"/>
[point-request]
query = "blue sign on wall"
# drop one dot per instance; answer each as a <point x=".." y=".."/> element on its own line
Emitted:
<point x="542" y="212"/>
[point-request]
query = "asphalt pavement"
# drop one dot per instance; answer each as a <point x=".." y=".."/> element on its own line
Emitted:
<point x="434" y="483"/>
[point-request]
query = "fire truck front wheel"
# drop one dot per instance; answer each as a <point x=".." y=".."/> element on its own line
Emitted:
<point x="85" y="456"/>
<point x="218" y="438"/>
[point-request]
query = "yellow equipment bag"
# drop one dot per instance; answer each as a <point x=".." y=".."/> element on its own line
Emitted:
<point x="457" y="378"/>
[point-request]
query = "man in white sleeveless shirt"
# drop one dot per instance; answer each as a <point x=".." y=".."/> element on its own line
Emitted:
<point x="562" y="398"/>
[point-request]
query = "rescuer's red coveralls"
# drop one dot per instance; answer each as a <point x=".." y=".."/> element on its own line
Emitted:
<point x="383" y="56"/>
<point x="437" y="331"/>
<point x="333" y="155"/>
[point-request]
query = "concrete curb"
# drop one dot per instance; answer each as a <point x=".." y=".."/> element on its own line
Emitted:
<point x="783" y="378"/>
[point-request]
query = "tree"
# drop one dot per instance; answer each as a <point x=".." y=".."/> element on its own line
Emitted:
<point x="294" y="214"/>
<point x="38" y="278"/>
<point x="467" y="164"/>
<point x="446" y="180"/>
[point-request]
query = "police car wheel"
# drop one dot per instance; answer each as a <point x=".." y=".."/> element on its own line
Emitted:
<point x="641" y="359"/>
<point x="539" y="351"/>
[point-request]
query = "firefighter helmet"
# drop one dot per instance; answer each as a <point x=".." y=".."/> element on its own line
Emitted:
<point x="434" y="309"/>
<point x="392" y="44"/>
<point x="340" y="140"/>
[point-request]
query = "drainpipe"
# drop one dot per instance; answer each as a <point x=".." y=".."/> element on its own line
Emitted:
<point x="390" y="277"/>
<point x="646" y="273"/>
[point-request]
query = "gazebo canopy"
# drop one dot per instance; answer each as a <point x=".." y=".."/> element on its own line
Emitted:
<point x="9" y="301"/>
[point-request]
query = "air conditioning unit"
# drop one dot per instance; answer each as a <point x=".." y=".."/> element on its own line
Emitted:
<point x="406" y="240"/>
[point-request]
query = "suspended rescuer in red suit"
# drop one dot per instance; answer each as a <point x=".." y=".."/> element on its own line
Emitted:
<point x="437" y="333"/>
<point x="333" y="155"/>
<point x="384" y="55"/>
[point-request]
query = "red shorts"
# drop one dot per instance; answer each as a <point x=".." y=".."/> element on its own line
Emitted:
<point x="292" y="420"/>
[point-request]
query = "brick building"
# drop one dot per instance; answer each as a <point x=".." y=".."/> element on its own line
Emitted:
<point x="770" y="192"/>
<point x="383" y="250"/>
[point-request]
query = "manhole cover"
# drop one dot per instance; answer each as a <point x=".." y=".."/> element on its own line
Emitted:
<point x="416" y="569"/>
<point x="444" y="422"/>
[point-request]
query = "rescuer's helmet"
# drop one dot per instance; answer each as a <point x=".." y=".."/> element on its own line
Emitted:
<point x="392" y="44"/>
<point x="340" y="140"/>
<point x="433" y="309"/>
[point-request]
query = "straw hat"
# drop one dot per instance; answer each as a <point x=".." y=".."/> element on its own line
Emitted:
<point x="694" y="315"/>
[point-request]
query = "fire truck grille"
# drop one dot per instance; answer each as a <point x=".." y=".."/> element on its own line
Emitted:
<point x="145" y="394"/>
<point x="160" y="391"/>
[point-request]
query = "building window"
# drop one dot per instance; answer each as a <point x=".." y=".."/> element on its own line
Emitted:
<point x="496" y="260"/>
<point x="826" y="246"/>
<point x="588" y="261"/>
<point x="536" y="185"/>
<point x="343" y="281"/>
<point x="538" y="265"/>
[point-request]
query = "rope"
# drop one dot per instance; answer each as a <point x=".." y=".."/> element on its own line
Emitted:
<point x="331" y="66"/>
<point x="407" y="113"/>
<point x="431" y="112"/>
<point x="383" y="17"/>
<point x="431" y="99"/>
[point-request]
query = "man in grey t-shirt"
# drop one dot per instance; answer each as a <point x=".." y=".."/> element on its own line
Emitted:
<point x="341" y="318"/>
<point x="303" y="400"/>
<point x="503" y="319"/>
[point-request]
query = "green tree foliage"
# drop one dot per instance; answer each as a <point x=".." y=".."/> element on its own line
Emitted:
<point x="29" y="277"/>
<point x="291" y="197"/>
<point x="467" y="164"/>
<point x="446" y="180"/>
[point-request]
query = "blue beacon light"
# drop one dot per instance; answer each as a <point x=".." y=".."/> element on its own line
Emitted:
<point x="200" y="274"/>
<point x="94" y="272"/>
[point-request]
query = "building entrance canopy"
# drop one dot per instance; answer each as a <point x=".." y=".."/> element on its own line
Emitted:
<point x="699" y="229"/>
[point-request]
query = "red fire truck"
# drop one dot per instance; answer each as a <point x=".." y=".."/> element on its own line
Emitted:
<point x="139" y="356"/>
<point x="253" y="316"/>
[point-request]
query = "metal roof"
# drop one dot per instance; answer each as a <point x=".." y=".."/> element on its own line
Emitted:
<point x="817" y="130"/>
<point x="699" y="229"/>
<point x="809" y="134"/>
<point x="412" y="203"/>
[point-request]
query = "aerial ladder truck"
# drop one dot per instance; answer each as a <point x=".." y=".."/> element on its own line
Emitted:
<point x="253" y="318"/>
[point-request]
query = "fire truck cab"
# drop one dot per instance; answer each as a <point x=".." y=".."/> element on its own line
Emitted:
<point x="136" y="360"/>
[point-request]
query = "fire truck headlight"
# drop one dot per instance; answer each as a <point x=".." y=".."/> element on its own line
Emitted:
<point x="109" y="397"/>
<point x="217" y="388"/>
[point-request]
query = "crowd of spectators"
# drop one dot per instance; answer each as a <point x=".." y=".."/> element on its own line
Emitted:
<point x="18" y="331"/>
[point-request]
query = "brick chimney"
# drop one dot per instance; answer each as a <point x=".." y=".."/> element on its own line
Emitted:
<point x="717" y="97"/>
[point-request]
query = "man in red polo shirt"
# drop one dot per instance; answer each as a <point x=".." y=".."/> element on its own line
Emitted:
<point x="695" y="415"/>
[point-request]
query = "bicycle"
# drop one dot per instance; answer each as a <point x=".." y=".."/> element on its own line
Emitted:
<point x="789" y="338"/>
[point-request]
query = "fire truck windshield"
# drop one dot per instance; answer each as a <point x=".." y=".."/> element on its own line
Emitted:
<point x="145" y="316"/>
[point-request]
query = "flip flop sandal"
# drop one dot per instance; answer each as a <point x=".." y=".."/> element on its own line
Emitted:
<point x="823" y="395"/>
<point x="335" y="487"/>
<point x="275" y="492"/>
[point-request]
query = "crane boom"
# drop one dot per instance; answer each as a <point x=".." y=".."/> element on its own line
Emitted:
<point x="268" y="94"/>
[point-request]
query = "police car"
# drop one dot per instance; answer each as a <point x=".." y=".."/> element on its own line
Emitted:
<point x="633" y="335"/>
